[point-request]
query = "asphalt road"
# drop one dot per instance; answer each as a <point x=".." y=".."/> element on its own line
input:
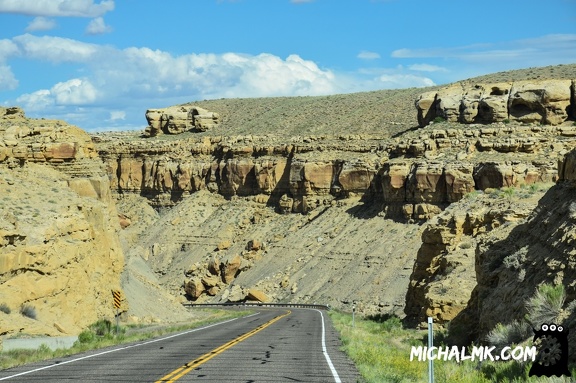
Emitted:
<point x="274" y="345"/>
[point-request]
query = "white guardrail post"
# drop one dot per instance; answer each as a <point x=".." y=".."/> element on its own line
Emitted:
<point x="430" y="345"/>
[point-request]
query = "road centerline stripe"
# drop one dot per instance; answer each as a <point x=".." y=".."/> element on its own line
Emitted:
<point x="119" y="349"/>
<point x="181" y="371"/>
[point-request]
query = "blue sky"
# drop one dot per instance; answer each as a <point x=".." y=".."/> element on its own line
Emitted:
<point x="100" y="64"/>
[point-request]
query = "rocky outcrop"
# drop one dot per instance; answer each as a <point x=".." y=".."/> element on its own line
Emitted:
<point x="59" y="249"/>
<point x="212" y="277"/>
<point x="444" y="270"/>
<point x="179" y="119"/>
<point x="413" y="178"/>
<point x="41" y="141"/>
<point x="508" y="258"/>
<point x="548" y="102"/>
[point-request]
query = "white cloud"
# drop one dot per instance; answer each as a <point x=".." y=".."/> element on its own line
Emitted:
<point x="7" y="79"/>
<point x="41" y="24"/>
<point x="36" y="101"/>
<point x="73" y="92"/>
<point x="97" y="27"/>
<point x="7" y="49"/>
<point x="366" y="55"/>
<point x="396" y="81"/>
<point x="557" y="48"/>
<point x="268" y="75"/>
<point x="55" y="49"/>
<point x="55" y="8"/>
<point x="427" y="68"/>
<point x="115" y="76"/>
<point x="117" y="115"/>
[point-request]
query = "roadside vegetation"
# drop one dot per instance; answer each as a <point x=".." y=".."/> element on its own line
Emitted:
<point x="380" y="346"/>
<point x="103" y="333"/>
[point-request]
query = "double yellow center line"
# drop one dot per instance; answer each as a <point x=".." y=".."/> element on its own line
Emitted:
<point x="181" y="371"/>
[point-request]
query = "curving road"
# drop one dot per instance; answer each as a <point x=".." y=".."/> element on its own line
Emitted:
<point x="273" y="345"/>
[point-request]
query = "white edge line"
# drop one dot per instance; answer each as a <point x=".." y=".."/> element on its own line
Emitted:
<point x="325" y="352"/>
<point x="122" y="348"/>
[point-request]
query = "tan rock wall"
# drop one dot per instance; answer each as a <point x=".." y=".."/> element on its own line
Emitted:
<point x="546" y="102"/>
<point x="62" y="258"/>
<point x="179" y="119"/>
<point x="59" y="249"/>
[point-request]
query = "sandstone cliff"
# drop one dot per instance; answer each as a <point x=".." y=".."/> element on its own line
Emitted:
<point x="213" y="191"/>
<point x="511" y="265"/>
<point x="545" y="101"/>
<point x="59" y="250"/>
<point x="445" y="270"/>
<point x="413" y="177"/>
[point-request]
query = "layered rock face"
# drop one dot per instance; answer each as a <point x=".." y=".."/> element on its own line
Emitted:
<point x="413" y="178"/>
<point x="59" y="249"/>
<point x="510" y="267"/>
<point x="546" y="102"/>
<point x="444" y="273"/>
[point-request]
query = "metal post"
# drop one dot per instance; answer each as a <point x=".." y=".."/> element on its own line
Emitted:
<point x="353" y="312"/>
<point x="430" y="344"/>
<point x="117" y="320"/>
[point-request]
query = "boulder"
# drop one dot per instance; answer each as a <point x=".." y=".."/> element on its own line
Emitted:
<point x="194" y="288"/>
<point x="237" y="294"/>
<point x="254" y="245"/>
<point x="224" y="244"/>
<point x="257" y="295"/>
<point x="493" y="105"/>
<point x="210" y="280"/>
<point x="214" y="266"/>
<point x="231" y="268"/>
<point x="426" y="106"/>
<point x="546" y="102"/>
<point x="448" y="103"/>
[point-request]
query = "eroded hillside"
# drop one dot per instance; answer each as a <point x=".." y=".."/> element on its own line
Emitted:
<point x="302" y="198"/>
<point x="308" y="199"/>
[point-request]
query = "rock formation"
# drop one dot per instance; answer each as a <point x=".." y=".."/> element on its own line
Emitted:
<point x="59" y="249"/>
<point x="414" y="178"/>
<point x="179" y="119"/>
<point x="549" y="102"/>
<point x="444" y="273"/>
<point x="511" y="265"/>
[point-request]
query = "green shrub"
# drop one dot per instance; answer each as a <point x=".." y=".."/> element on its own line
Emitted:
<point x="392" y="324"/>
<point x="28" y="311"/>
<point x="439" y="120"/>
<point x="472" y="195"/>
<point x="5" y="309"/>
<point x="86" y="336"/>
<point x="513" y="333"/>
<point x="546" y="304"/>
<point x="509" y="192"/>
<point x="101" y="327"/>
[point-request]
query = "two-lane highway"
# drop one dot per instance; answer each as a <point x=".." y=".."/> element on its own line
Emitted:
<point x="274" y="345"/>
